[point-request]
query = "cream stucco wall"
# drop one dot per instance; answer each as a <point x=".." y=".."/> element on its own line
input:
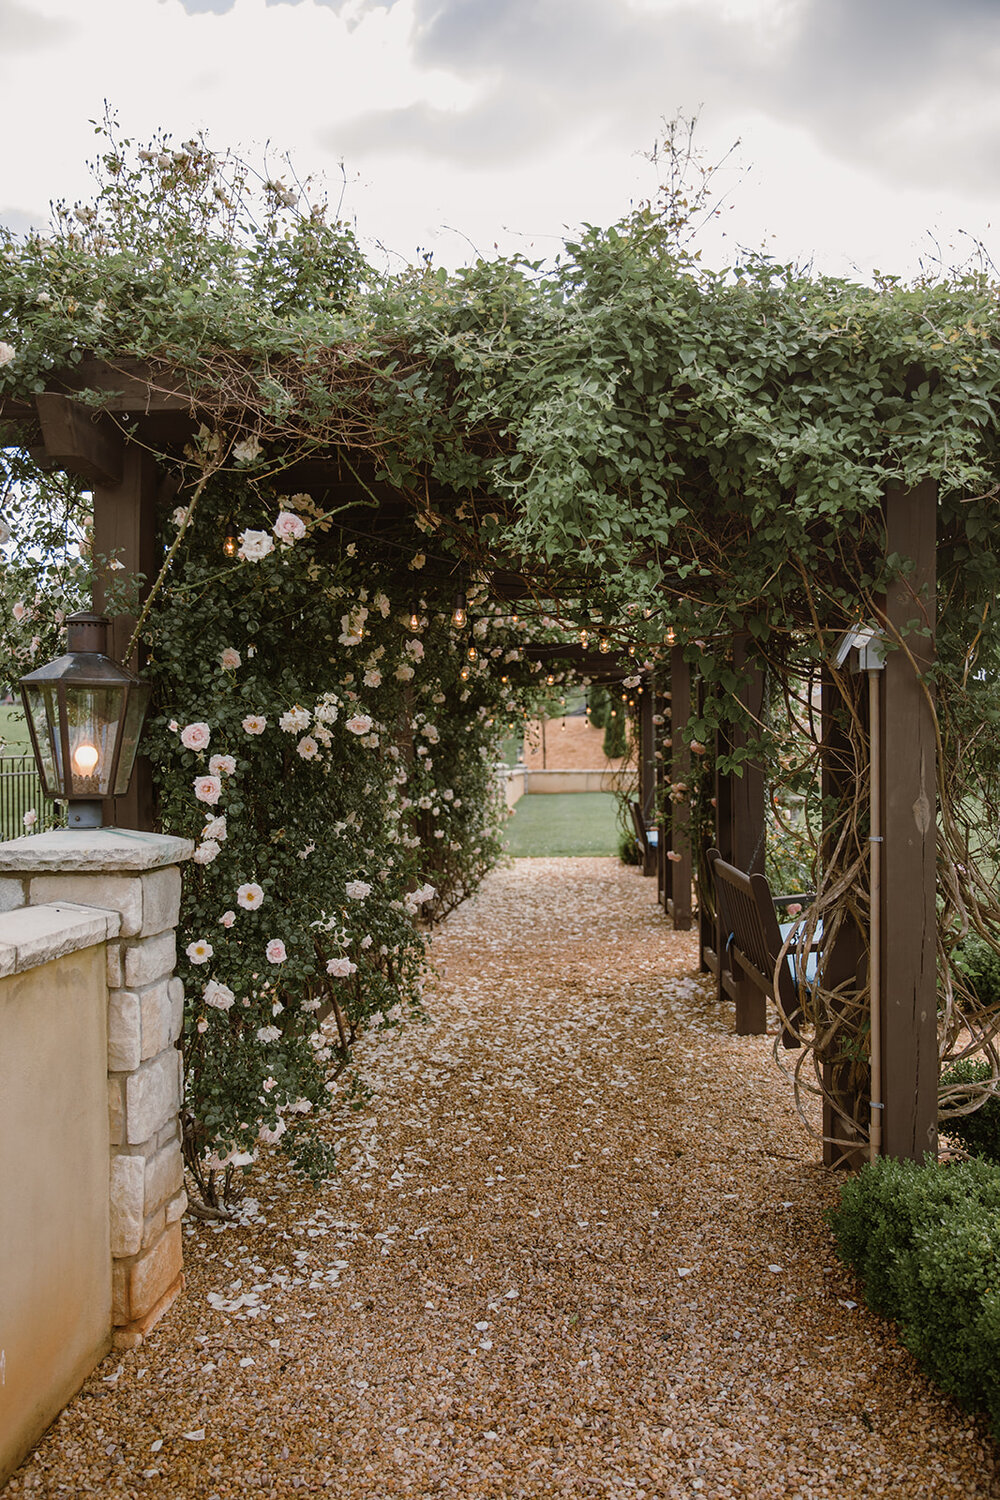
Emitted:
<point x="55" y="1261"/>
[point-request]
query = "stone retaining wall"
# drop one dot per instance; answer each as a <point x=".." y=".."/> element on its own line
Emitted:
<point x="56" y="890"/>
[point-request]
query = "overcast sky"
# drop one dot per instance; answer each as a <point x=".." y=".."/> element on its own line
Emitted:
<point x="868" y="128"/>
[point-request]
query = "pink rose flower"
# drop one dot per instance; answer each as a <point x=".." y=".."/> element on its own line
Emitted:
<point x="229" y="659"/>
<point x="249" y="896"/>
<point x="340" y="968"/>
<point x="359" y="724"/>
<point x="208" y="789"/>
<point x="199" y="952"/>
<point x="222" y="765"/>
<point x="195" y="736"/>
<point x="275" y="951"/>
<point x="228" y="918"/>
<point x="254" y="724"/>
<point x="289" y="528"/>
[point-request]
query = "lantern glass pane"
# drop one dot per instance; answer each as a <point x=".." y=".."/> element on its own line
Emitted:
<point x="92" y="716"/>
<point x="135" y="712"/>
<point x="42" y="703"/>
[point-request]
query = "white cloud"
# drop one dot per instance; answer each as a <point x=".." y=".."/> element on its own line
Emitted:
<point x="864" y="122"/>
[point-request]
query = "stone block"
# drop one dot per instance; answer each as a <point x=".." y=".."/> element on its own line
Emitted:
<point x="152" y="1096"/>
<point x="98" y="849"/>
<point x="161" y="900"/>
<point x="41" y="933"/>
<point x="153" y="1228"/>
<point x="124" y="1032"/>
<point x="116" y="1112"/>
<point x="150" y="959"/>
<point x="157" y="1015"/>
<point x="175" y="1208"/>
<point x="12" y="893"/>
<point x="120" y="893"/>
<point x="116" y="971"/>
<point x="170" y="1135"/>
<point x="127" y="1204"/>
<point x="155" y="1271"/>
<point x="164" y="1176"/>
<point x="120" y="1313"/>
<point x="176" y="1008"/>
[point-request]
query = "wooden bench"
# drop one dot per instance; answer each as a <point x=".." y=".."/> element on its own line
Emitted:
<point x="749" y="915"/>
<point x="647" y="839"/>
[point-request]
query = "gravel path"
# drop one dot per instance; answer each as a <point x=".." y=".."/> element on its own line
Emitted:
<point x="576" y="1249"/>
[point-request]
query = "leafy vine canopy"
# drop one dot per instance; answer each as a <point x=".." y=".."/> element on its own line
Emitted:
<point x="651" y="449"/>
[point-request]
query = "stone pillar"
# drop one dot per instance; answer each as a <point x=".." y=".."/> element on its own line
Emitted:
<point x="136" y="875"/>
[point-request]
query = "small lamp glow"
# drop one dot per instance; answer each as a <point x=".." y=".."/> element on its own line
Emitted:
<point x="460" y="613"/>
<point x="231" y="542"/>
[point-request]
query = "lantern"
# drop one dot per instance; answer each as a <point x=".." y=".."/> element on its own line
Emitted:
<point x="85" y="715"/>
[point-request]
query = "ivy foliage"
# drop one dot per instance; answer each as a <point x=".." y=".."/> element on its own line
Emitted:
<point x="671" y="451"/>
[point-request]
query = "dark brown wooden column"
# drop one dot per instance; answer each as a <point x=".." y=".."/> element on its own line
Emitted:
<point x="909" y="798"/>
<point x="845" y="964"/>
<point x="747" y="794"/>
<point x="647" y="769"/>
<point x="679" y="873"/>
<point x="125" y="531"/>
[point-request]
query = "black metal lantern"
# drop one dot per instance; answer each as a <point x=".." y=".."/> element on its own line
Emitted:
<point x="85" y="715"/>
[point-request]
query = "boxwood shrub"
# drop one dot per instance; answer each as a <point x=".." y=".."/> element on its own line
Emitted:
<point x="925" y="1241"/>
<point x="978" y="1132"/>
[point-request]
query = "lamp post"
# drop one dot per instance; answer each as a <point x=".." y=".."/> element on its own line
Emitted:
<point x="85" y="715"/>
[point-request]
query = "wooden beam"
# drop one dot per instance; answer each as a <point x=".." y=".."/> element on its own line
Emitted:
<point x="845" y="961"/>
<point x="680" y="872"/>
<point x="748" y="827"/>
<point x="76" y="440"/>
<point x="909" y="798"/>
<point x="125" y="532"/>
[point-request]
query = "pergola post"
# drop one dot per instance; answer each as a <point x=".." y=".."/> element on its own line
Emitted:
<point x="125" y="534"/>
<point x="908" y="771"/>
<point x="124" y="480"/>
<point x="647" y="771"/>
<point x="747" y="793"/>
<point x="845" y="963"/>
<point x="679" y="872"/>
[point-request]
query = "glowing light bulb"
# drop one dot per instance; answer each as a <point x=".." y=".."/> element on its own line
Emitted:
<point x="472" y="653"/>
<point x="550" y="680"/>
<point x="460" y="613"/>
<point x="671" y="636"/>
<point x="464" y="674"/>
<point x="604" y="645"/>
<point x="85" y="758"/>
<point x="231" y="543"/>
<point x="584" y="637"/>
<point x="414" y="621"/>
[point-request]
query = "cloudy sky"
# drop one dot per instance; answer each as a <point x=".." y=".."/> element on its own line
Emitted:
<point x="869" y="130"/>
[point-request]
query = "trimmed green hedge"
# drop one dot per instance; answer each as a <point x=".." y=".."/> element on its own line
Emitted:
<point x="925" y="1242"/>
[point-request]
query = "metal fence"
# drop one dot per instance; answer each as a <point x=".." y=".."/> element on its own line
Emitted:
<point x="20" y="792"/>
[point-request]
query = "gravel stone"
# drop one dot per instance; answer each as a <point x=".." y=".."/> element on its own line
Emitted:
<point x="576" y="1248"/>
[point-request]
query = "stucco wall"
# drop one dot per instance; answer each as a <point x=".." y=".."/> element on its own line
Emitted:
<point x="55" y="1262"/>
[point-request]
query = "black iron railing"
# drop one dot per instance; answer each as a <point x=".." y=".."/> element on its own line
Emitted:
<point x="21" y="793"/>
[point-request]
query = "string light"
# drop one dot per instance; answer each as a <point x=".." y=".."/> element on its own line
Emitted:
<point x="414" y="620"/>
<point x="472" y="653"/>
<point x="459" y="614"/>
<point x="584" y="637"/>
<point x="231" y="542"/>
<point x="464" y="674"/>
<point x="671" y="636"/>
<point x="604" y="645"/>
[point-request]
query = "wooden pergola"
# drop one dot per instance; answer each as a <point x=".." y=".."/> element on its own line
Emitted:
<point x="144" y="412"/>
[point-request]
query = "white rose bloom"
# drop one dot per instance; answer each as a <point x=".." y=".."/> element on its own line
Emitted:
<point x="255" y="545"/>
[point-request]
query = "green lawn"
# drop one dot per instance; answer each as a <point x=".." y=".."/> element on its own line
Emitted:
<point x="14" y="730"/>
<point x="564" y="823"/>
